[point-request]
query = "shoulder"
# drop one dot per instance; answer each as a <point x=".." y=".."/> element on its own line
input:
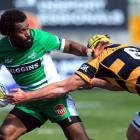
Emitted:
<point x="40" y="34"/>
<point x="116" y="47"/>
<point x="37" y="32"/>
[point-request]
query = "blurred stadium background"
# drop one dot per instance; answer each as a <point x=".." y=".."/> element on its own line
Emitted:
<point x="106" y="115"/>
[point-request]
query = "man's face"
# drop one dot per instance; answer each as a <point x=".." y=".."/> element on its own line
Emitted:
<point x="21" y="38"/>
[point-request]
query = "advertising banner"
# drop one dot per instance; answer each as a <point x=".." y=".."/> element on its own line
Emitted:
<point x="67" y="13"/>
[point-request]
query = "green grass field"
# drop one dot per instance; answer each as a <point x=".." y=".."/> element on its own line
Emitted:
<point x="105" y="114"/>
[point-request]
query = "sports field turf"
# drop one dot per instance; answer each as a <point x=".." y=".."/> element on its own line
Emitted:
<point x="105" y="114"/>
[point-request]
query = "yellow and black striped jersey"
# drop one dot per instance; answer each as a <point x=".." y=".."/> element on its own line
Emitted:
<point x="118" y="63"/>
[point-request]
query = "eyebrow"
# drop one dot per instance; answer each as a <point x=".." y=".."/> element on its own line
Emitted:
<point x="22" y="28"/>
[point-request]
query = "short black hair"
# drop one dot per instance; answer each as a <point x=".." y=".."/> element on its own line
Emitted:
<point x="8" y="20"/>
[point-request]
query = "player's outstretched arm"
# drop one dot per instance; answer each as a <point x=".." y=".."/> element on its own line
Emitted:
<point x="50" y="91"/>
<point x="75" y="48"/>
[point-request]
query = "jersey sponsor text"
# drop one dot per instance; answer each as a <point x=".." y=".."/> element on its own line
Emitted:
<point x="25" y="68"/>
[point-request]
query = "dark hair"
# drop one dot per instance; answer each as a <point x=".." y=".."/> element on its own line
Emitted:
<point x="8" y="20"/>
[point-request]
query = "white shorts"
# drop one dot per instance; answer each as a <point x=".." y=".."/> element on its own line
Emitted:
<point x="136" y="121"/>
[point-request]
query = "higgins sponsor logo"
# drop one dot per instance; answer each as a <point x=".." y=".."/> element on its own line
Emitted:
<point x="60" y="109"/>
<point x="25" y="68"/>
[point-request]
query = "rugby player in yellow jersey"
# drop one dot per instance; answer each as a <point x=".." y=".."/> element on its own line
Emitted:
<point x="117" y="64"/>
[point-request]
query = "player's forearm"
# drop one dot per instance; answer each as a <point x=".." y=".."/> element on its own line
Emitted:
<point x="105" y="85"/>
<point x="51" y="91"/>
<point x="75" y="48"/>
<point x="45" y="94"/>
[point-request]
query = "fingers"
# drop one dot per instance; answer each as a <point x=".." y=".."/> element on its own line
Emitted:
<point x="103" y="43"/>
<point x="11" y="97"/>
<point x="16" y="96"/>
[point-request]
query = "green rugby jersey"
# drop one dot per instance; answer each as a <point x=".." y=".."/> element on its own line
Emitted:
<point x="28" y="67"/>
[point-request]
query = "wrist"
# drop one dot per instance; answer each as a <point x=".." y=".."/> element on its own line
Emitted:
<point x="28" y="96"/>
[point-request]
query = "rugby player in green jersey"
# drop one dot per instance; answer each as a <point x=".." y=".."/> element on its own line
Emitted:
<point x="22" y="51"/>
<point x="117" y="64"/>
